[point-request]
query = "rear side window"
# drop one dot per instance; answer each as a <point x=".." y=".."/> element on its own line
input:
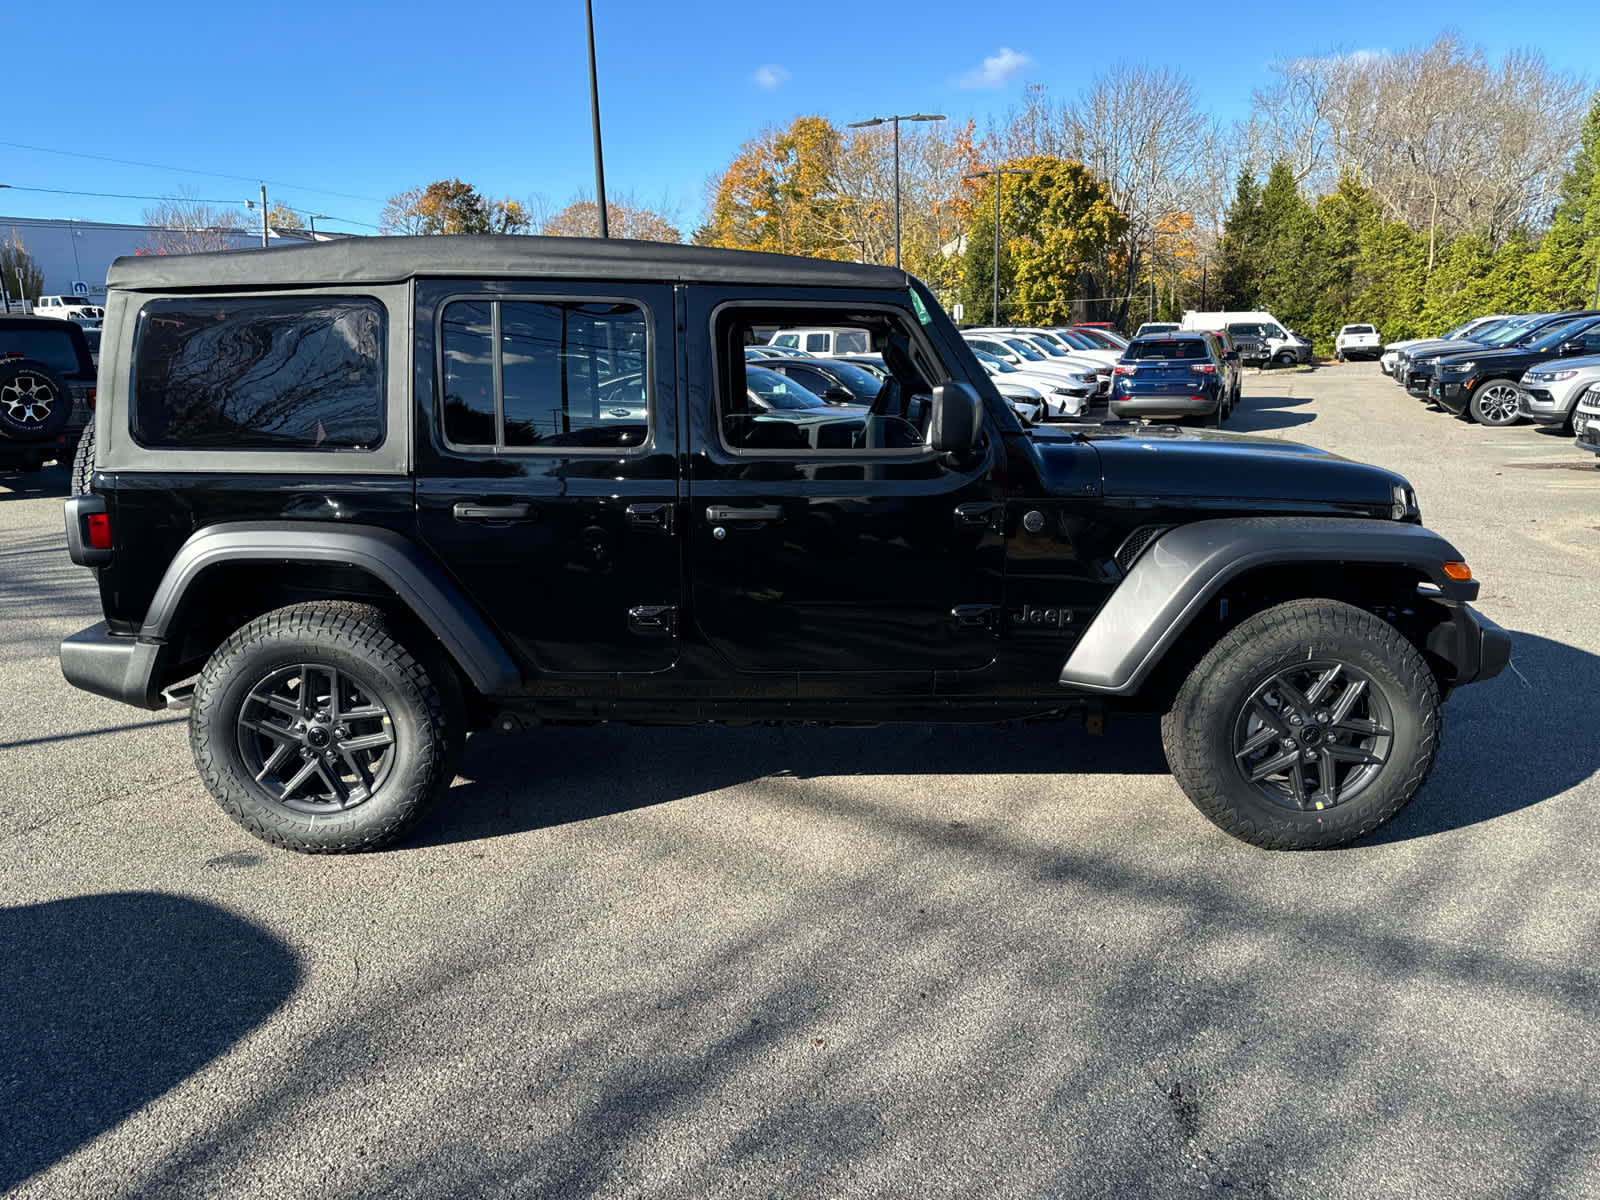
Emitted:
<point x="817" y="343"/>
<point x="544" y="374"/>
<point x="1167" y="349"/>
<point x="268" y="373"/>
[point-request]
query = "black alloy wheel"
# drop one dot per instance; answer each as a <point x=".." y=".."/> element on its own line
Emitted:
<point x="1313" y="736"/>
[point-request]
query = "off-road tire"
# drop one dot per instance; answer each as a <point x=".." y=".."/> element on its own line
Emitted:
<point x="359" y="641"/>
<point x="83" y="461"/>
<point x="22" y="379"/>
<point x="1494" y="420"/>
<point x="1199" y="731"/>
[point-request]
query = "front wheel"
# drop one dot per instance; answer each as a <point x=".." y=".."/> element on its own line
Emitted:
<point x="316" y="730"/>
<point x="1307" y="726"/>
<point x="1497" y="402"/>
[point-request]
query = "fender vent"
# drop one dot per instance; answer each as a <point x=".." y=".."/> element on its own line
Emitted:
<point x="1136" y="543"/>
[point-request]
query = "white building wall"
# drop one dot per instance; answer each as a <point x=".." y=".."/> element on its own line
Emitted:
<point x="72" y="250"/>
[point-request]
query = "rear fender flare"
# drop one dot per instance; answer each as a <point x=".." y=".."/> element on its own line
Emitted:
<point x="387" y="556"/>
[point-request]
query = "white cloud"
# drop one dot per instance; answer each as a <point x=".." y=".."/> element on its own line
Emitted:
<point x="997" y="69"/>
<point x="770" y="76"/>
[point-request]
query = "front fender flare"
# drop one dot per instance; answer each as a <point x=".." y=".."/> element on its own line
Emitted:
<point x="1187" y="566"/>
<point x="393" y="559"/>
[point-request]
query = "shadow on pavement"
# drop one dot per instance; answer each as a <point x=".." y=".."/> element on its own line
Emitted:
<point x="34" y="485"/>
<point x="553" y="776"/>
<point x="1509" y="743"/>
<point x="557" y="775"/>
<point x="1262" y="414"/>
<point x="108" y="1001"/>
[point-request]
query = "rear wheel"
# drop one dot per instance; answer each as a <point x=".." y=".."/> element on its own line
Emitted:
<point x="316" y="730"/>
<point x="1495" y="403"/>
<point x="1308" y="725"/>
<point x="35" y="401"/>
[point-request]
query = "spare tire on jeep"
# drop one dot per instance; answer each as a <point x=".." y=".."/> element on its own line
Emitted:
<point x="35" y="402"/>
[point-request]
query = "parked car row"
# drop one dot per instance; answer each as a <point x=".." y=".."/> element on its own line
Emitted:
<point x="1506" y="368"/>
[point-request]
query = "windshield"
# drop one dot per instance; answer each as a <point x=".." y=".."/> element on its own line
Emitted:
<point x="997" y="366"/>
<point x="1507" y="334"/>
<point x="1167" y="348"/>
<point x="1027" y="351"/>
<point x="1553" y="337"/>
<point x="1076" y="340"/>
<point x="1245" y="330"/>
<point x="1044" y="342"/>
<point x="778" y="391"/>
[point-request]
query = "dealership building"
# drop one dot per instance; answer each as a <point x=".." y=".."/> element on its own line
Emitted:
<point x="74" y="253"/>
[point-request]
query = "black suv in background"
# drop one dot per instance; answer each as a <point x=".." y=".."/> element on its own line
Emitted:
<point x="47" y="390"/>
<point x="1250" y="341"/>
<point x="351" y="501"/>
<point x="1421" y="371"/>
<point x="1484" y="385"/>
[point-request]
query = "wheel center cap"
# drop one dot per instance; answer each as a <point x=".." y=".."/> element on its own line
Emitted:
<point x="317" y="736"/>
<point x="1311" y="735"/>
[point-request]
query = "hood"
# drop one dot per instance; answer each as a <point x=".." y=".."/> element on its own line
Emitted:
<point x="1436" y="346"/>
<point x="1212" y="469"/>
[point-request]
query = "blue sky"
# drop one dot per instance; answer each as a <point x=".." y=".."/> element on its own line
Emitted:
<point x="339" y="105"/>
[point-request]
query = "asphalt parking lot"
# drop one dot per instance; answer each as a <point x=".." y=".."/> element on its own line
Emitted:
<point x="794" y="962"/>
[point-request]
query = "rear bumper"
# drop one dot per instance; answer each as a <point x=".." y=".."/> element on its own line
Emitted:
<point x="1163" y="406"/>
<point x="60" y="448"/>
<point x="116" y="667"/>
<point x="1474" y="646"/>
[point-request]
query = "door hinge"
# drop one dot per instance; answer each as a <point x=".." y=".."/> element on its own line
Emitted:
<point x="654" y="620"/>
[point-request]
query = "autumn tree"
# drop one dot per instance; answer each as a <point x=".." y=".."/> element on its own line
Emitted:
<point x="1055" y="221"/>
<point x="21" y="275"/>
<point x="624" y="219"/>
<point x="191" y="227"/>
<point x="451" y="206"/>
<point x="280" y="217"/>
<point x="779" y="194"/>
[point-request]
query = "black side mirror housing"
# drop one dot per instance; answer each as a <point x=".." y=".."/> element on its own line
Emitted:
<point x="957" y="417"/>
<point x="1231" y="355"/>
<point x="1571" y="349"/>
<point x="839" y="394"/>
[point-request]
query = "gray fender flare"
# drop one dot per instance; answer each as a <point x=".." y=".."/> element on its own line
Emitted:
<point x="1186" y="567"/>
<point x="389" y="557"/>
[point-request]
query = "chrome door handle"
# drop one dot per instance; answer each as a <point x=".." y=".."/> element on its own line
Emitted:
<point x="717" y="514"/>
<point x="467" y="510"/>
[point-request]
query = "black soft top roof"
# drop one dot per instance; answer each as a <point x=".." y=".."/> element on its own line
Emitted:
<point x="391" y="259"/>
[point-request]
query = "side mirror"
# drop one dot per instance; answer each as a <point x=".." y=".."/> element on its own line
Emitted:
<point x="1572" y="349"/>
<point x="1231" y="355"/>
<point x="957" y="417"/>
<point x="838" y="394"/>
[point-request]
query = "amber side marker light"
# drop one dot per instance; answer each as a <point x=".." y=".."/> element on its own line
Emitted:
<point x="1459" y="571"/>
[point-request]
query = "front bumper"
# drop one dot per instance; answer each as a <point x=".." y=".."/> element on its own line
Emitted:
<point x="1474" y="646"/>
<point x="1537" y="404"/>
<point x="117" y="667"/>
<point x="1419" y="383"/>
<point x="1452" y="395"/>
<point x="1588" y="427"/>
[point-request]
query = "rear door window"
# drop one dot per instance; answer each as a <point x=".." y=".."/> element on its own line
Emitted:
<point x="260" y="373"/>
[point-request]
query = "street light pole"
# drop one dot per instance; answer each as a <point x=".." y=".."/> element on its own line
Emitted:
<point x="263" y="216"/>
<point x="895" y="121"/>
<point x="315" y="219"/>
<point x="594" y="116"/>
<point x="998" y="174"/>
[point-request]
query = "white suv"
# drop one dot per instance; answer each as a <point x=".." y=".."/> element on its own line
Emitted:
<point x="1586" y="420"/>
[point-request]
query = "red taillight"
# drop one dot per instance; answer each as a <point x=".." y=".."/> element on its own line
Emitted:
<point x="99" y="530"/>
<point x="1204" y="369"/>
<point x="91" y="398"/>
<point x="1119" y="369"/>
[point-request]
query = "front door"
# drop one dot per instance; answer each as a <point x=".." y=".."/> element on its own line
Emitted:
<point x="826" y="541"/>
<point x="547" y="474"/>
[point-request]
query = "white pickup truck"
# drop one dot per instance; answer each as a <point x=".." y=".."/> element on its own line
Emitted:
<point x="70" y="308"/>
<point x="1357" y="340"/>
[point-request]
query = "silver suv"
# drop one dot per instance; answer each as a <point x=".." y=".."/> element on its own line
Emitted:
<point x="1549" y="391"/>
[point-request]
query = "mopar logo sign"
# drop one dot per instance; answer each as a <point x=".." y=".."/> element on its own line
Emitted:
<point x="80" y="288"/>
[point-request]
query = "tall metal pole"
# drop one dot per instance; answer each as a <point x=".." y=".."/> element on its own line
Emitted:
<point x="594" y="116"/>
<point x="896" y="121"/>
<point x="263" y="216"/>
<point x="999" y="178"/>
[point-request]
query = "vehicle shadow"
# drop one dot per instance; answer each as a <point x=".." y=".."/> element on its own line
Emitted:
<point x="556" y="775"/>
<point x="1262" y="414"/>
<point x="36" y="485"/>
<point x="1510" y="742"/>
<point x="107" y="1001"/>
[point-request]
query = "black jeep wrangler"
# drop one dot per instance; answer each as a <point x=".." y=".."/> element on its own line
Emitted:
<point x="47" y="390"/>
<point x="352" y="501"/>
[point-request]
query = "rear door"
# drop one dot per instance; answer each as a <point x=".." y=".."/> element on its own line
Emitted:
<point x="547" y="473"/>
